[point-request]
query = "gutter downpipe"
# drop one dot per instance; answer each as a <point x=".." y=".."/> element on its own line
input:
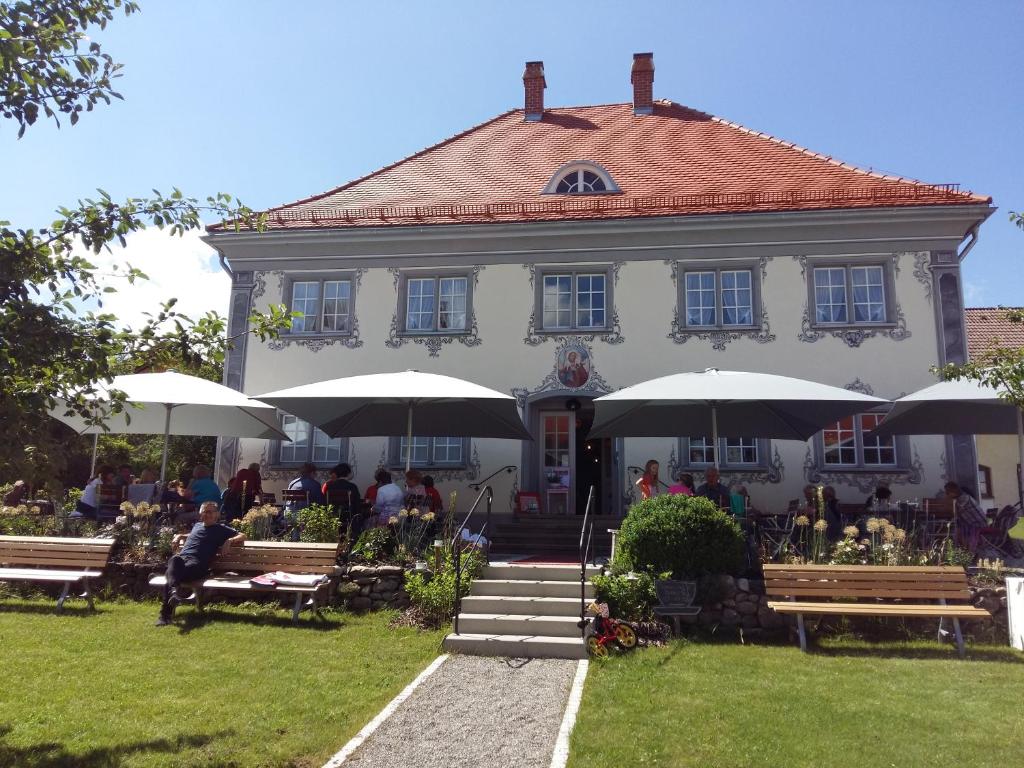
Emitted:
<point x="973" y="232"/>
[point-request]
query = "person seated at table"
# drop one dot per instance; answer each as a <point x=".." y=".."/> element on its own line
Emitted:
<point x="389" y="498"/>
<point x="739" y="502"/>
<point x="172" y="494"/>
<point x="201" y="487"/>
<point x="648" y="482"/>
<point x="433" y="496"/>
<point x="17" y="494"/>
<point x="415" y="491"/>
<point x="306" y="482"/>
<point x="880" y="498"/>
<point x="144" y="489"/>
<point x="380" y="478"/>
<point x="970" y="519"/>
<point x="125" y="475"/>
<point x="342" y="485"/>
<point x="713" y="489"/>
<point x="88" y="505"/>
<point x="207" y="537"/>
<point x="833" y="517"/>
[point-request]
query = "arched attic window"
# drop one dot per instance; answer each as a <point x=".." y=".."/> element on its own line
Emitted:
<point x="580" y="178"/>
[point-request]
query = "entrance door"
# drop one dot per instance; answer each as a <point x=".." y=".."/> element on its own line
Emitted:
<point x="593" y="465"/>
<point x="556" y="459"/>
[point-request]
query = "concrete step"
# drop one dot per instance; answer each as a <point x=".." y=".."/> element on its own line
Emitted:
<point x="529" y="646"/>
<point x="522" y="606"/>
<point x="526" y="588"/>
<point x="539" y="572"/>
<point x="512" y="624"/>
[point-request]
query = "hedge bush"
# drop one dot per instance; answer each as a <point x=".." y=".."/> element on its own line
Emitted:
<point x="628" y="597"/>
<point x="685" y="535"/>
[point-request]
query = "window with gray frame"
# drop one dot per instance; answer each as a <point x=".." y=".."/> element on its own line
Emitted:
<point x="307" y="444"/>
<point x="325" y="304"/>
<point x="718" y="297"/>
<point x="428" y="452"/>
<point x="736" y="452"/>
<point x="844" y="294"/>
<point x="573" y="299"/>
<point x="435" y="303"/>
<point x="847" y="444"/>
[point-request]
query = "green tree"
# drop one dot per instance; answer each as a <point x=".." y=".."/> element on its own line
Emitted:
<point x="56" y="342"/>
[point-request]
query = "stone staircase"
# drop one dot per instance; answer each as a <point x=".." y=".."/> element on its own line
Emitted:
<point x="523" y="611"/>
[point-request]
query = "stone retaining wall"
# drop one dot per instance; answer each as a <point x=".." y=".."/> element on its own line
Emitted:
<point x="737" y="603"/>
<point x="372" y="587"/>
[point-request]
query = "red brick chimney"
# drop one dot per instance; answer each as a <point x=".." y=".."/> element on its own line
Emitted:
<point x="642" y="78"/>
<point x="534" y="85"/>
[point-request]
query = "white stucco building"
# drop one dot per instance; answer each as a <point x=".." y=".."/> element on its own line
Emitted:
<point x="558" y="254"/>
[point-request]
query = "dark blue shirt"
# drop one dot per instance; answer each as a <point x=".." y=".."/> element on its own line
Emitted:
<point x="204" y="540"/>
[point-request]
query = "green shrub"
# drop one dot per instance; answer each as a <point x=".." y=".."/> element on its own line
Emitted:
<point x="375" y="544"/>
<point x="628" y="597"/>
<point x="683" y="535"/>
<point x="435" y="598"/>
<point x="318" y="523"/>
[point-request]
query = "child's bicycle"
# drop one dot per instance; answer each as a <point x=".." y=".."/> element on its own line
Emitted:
<point x="604" y="631"/>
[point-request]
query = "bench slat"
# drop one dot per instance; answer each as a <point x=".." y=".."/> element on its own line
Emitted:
<point x="50" y="562"/>
<point x="837" y="591"/>
<point x="15" y="574"/>
<point x="55" y="540"/>
<point x="905" y="578"/>
<point x="770" y="568"/>
<point x="242" y="584"/>
<point x="880" y="609"/>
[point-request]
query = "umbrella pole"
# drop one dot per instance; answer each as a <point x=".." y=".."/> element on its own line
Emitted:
<point x="95" y="449"/>
<point x="714" y="433"/>
<point x="167" y="435"/>
<point x="408" y="444"/>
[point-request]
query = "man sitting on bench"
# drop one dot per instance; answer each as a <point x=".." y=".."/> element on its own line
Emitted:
<point x="207" y="537"/>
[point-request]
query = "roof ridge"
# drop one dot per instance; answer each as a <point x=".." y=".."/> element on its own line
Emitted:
<point x="395" y="164"/>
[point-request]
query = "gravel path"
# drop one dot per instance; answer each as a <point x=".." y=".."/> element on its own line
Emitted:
<point x="475" y="711"/>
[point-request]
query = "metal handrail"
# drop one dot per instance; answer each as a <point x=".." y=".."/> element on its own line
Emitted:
<point x="587" y="532"/>
<point x="640" y="471"/>
<point x="487" y="491"/>
<point x="510" y="468"/>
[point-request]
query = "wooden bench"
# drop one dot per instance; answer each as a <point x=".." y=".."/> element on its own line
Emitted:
<point x="871" y="590"/>
<point x="232" y="572"/>
<point x="675" y="599"/>
<point x="54" y="560"/>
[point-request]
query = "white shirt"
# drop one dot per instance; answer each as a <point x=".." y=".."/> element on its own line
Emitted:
<point x="389" y="500"/>
<point x="90" y="492"/>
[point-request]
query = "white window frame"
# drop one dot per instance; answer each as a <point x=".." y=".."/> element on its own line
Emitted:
<point x="573" y="274"/>
<point x="900" y="446"/>
<point x="686" y="268"/>
<point x="299" y="452"/>
<point x="849" y="269"/>
<point x="432" y="448"/>
<point x="578" y="167"/>
<point x="438" y="279"/>
<point x="687" y="444"/>
<point x="321" y="281"/>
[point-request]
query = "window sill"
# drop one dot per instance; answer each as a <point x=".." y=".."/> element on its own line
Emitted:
<point x="852" y="326"/>
<point x="317" y="335"/>
<point x="425" y="468"/>
<point x="881" y="469"/>
<point x="445" y="332"/>
<point x="569" y="331"/>
<point x="710" y="328"/>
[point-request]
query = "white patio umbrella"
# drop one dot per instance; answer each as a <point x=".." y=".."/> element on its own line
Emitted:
<point x="725" y="403"/>
<point x="172" y="403"/>
<point x="955" y="408"/>
<point x="389" y="403"/>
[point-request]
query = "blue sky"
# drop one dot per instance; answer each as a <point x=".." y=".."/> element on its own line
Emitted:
<point x="277" y="101"/>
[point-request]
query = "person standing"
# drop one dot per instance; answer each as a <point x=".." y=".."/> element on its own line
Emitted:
<point x="648" y="482"/>
<point x="207" y="537"/>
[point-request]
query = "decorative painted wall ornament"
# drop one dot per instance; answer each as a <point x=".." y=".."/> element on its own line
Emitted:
<point x="859" y="386"/>
<point x="317" y="341"/>
<point x="611" y="335"/>
<point x="260" y="279"/>
<point x="863" y="481"/>
<point x="680" y="333"/>
<point x="573" y="371"/>
<point x="923" y="272"/>
<point x="434" y="342"/>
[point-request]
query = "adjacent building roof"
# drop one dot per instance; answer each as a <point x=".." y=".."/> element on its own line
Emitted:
<point x="676" y="161"/>
<point x="988" y="326"/>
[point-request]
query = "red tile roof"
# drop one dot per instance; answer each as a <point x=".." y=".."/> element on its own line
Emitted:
<point x="990" y="325"/>
<point x="677" y="161"/>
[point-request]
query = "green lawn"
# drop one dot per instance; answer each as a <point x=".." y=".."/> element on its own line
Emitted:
<point x="238" y="688"/>
<point x="845" y="705"/>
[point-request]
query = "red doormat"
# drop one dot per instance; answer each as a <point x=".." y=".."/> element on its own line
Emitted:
<point x="553" y="559"/>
